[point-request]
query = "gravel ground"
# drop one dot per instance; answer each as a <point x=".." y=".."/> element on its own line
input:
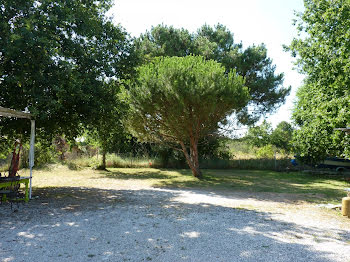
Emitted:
<point x="77" y="224"/>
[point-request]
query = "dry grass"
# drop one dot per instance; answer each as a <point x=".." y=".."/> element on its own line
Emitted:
<point x="61" y="176"/>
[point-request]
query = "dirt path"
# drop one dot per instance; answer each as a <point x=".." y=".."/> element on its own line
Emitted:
<point x="151" y="224"/>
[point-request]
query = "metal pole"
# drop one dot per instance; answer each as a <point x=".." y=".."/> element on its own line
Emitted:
<point x="31" y="155"/>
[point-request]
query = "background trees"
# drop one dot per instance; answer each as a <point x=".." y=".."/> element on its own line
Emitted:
<point x="55" y="57"/>
<point x="264" y="135"/>
<point x="282" y="136"/>
<point x="181" y="100"/>
<point x="323" y="102"/>
<point x="66" y="62"/>
<point x="259" y="136"/>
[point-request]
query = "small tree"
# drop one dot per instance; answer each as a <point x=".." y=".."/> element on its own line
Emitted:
<point x="183" y="99"/>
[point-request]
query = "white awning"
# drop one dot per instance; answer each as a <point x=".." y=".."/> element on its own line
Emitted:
<point x="13" y="113"/>
<point x="344" y="129"/>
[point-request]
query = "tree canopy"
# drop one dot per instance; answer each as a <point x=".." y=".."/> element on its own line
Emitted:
<point x="54" y="59"/>
<point x="265" y="86"/>
<point x="180" y="100"/>
<point x="323" y="102"/>
<point x="282" y="135"/>
<point x="264" y="134"/>
<point x="259" y="136"/>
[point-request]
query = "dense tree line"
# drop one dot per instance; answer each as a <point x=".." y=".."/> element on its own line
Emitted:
<point x="78" y="74"/>
<point x="323" y="102"/>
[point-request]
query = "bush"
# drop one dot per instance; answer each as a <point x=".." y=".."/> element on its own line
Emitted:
<point x="267" y="151"/>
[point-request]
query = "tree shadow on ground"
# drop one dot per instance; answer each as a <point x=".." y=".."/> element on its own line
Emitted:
<point x="82" y="224"/>
<point x="310" y="188"/>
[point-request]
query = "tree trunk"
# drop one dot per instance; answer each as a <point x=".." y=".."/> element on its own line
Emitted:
<point x="192" y="160"/>
<point x="194" y="157"/>
<point x="103" y="166"/>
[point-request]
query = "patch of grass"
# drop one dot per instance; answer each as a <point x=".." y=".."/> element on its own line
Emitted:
<point x="316" y="188"/>
<point x="310" y="188"/>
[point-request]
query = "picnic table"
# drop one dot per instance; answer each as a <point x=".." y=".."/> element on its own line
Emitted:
<point x="10" y="182"/>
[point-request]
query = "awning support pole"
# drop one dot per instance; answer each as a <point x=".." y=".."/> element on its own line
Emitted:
<point x="31" y="154"/>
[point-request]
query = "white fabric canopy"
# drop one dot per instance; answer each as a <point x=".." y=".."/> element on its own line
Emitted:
<point x="344" y="129"/>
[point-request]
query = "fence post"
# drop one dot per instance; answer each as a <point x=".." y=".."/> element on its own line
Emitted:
<point x="275" y="161"/>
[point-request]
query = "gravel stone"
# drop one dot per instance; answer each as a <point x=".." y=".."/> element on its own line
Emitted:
<point x="80" y="224"/>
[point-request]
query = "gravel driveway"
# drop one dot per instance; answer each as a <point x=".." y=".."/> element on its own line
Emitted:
<point x="77" y="224"/>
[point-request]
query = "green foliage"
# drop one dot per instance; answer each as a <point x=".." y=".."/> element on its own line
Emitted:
<point x="108" y="131"/>
<point x="281" y="137"/>
<point x="5" y="147"/>
<point x="181" y="100"/>
<point x="322" y="52"/>
<point x="265" y="87"/>
<point x="259" y="136"/>
<point x="264" y="136"/>
<point x="318" y="113"/>
<point x="176" y="98"/>
<point x="54" y="59"/>
<point x="239" y="147"/>
<point x="267" y="151"/>
<point x="213" y="148"/>
<point x="44" y="154"/>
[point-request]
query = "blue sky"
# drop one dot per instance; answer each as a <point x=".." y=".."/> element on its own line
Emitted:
<point x="251" y="21"/>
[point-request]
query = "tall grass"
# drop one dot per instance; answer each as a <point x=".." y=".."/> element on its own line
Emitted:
<point x="123" y="161"/>
<point x="244" y="161"/>
<point x="115" y="161"/>
<point x="258" y="164"/>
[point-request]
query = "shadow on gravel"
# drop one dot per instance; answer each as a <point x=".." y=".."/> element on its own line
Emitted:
<point x="80" y="224"/>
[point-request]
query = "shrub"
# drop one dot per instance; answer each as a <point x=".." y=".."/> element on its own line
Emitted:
<point x="265" y="152"/>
